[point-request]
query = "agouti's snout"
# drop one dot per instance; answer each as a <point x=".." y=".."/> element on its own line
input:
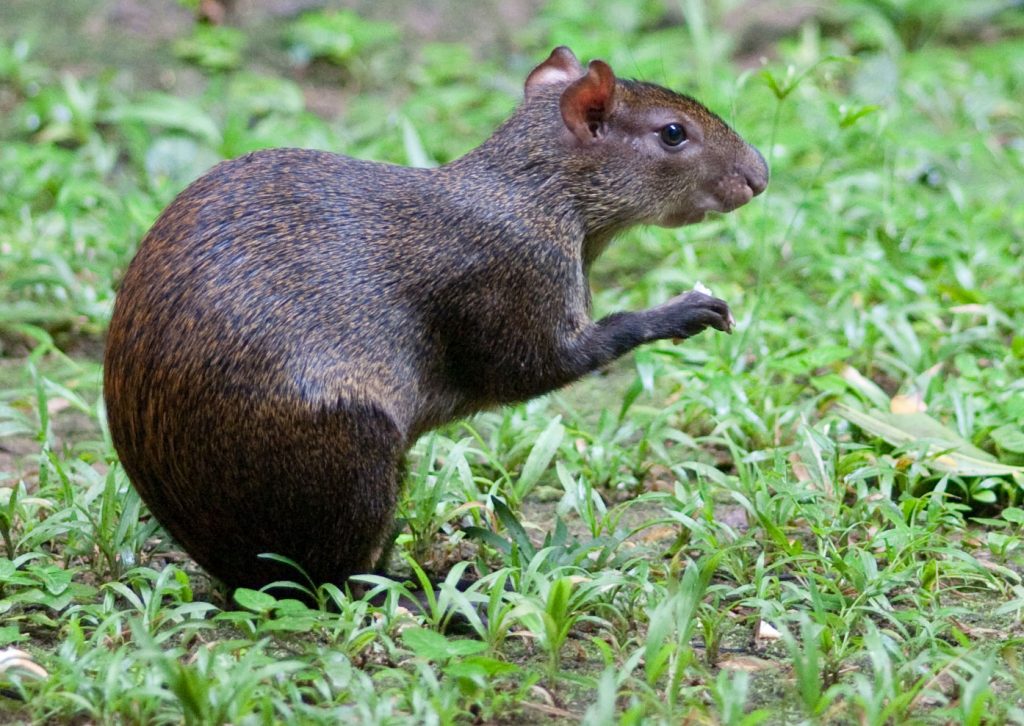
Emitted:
<point x="754" y="170"/>
<point x="747" y="179"/>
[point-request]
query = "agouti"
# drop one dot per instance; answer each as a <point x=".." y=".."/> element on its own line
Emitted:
<point x="295" y="319"/>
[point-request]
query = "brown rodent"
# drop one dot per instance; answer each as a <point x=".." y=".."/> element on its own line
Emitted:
<point x="295" y="319"/>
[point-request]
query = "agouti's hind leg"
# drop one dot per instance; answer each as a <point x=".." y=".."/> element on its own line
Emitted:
<point x="319" y="487"/>
<point x="364" y="452"/>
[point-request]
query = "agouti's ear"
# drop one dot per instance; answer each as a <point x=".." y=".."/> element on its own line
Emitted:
<point x="560" y="67"/>
<point x="588" y="102"/>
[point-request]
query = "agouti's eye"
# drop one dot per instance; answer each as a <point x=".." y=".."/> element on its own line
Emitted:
<point x="673" y="135"/>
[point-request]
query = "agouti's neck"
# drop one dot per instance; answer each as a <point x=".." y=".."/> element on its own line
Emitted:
<point x="525" y="167"/>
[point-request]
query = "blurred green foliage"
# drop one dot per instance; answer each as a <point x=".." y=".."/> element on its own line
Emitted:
<point x="635" y="532"/>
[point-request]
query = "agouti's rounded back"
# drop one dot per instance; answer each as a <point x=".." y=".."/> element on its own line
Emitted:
<point x="295" y="319"/>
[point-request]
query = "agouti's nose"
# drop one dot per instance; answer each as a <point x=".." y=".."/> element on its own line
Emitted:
<point x="755" y="170"/>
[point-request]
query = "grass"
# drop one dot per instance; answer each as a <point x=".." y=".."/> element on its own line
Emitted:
<point x="817" y="519"/>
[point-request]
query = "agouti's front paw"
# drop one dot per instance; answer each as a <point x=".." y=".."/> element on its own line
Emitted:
<point x="693" y="311"/>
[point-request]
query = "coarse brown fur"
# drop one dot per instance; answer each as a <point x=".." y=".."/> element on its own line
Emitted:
<point x="295" y="319"/>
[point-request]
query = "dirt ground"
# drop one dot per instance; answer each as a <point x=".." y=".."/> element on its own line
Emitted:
<point x="134" y="36"/>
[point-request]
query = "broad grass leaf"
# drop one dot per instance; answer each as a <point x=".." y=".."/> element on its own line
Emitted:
<point x="1014" y="515"/>
<point x="540" y="456"/>
<point x="55" y="579"/>
<point x="170" y="112"/>
<point x="810" y="360"/>
<point x="256" y="94"/>
<point x="415" y="152"/>
<point x="254" y="600"/>
<point x="953" y="454"/>
<point x="1009" y="437"/>
<point x="436" y="647"/>
<point x="865" y="386"/>
<point x="479" y="666"/>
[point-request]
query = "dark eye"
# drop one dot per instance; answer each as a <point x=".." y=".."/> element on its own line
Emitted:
<point x="673" y="134"/>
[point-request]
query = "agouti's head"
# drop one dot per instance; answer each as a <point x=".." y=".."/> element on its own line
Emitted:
<point x="642" y="154"/>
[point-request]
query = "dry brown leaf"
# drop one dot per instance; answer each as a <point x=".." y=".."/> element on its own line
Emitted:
<point x="908" y="403"/>
<point x="19" y="662"/>
<point x="978" y="632"/>
<point x="524" y="634"/>
<point x="748" y="663"/>
<point x="56" y="405"/>
<point x="660" y="479"/>
<point x="544" y="693"/>
<point x="659" y="534"/>
<point x="799" y="470"/>
<point x="732" y="515"/>
<point x="990" y="565"/>
<point x="969" y="309"/>
<point x="553" y="711"/>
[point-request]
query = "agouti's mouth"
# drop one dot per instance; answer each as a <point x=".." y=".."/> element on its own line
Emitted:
<point x="730" y="191"/>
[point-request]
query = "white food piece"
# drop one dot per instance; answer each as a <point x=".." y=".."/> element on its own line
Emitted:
<point x="702" y="288"/>
<point x="767" y="631"/>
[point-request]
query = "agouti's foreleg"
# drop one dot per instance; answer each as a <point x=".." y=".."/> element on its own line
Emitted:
<point x="681" y="317"/>
<point x="595" y="345"/>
